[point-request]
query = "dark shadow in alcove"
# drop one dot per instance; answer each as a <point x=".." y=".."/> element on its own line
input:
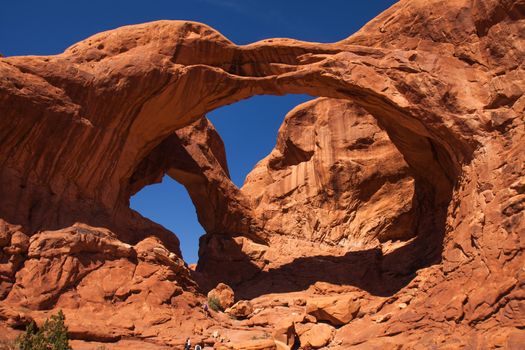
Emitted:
<point x="370" y="270"/>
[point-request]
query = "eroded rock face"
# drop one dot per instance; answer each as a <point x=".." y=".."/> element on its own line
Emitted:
<point x="83" y="130"/>
<point x="334" y="177"/>
<point x="107" y="289"/>
<point x="333" y="184"/>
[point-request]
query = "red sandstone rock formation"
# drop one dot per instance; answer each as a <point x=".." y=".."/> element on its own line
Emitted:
<point x="84" y="130"/>
<point x="328" y="178"/>
<point x="223" y="296"/>
<point x="334" y="184"/>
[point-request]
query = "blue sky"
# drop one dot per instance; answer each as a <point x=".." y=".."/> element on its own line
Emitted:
<point x="249" y="127"/>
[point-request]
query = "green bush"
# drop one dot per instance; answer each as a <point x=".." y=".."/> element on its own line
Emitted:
<point x="52" y="335"/>
<point x="214" y="304"/>
<point x="261" y="336"/>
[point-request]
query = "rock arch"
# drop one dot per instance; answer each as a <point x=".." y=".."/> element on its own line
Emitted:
<point x="126" y="91"/>
<point x="117" y="106"/>
<point x="77" y="127"/>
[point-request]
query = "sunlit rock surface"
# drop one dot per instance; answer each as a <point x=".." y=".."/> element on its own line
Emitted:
<point x="439" y="264"/>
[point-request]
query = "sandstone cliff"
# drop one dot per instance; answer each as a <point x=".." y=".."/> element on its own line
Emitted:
<point x="334" y="184"/>
<point x="82" y="131"/>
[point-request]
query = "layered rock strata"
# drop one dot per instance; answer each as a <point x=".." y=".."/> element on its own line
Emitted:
<point x="443" y="79"/>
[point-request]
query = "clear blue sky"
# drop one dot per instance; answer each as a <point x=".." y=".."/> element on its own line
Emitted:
<point x="248" y="128"/>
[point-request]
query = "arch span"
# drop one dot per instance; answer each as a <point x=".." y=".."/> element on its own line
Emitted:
<point x="132" y="90"/>
<point x="129" y="89"/>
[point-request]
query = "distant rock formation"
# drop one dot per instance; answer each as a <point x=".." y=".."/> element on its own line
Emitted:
<point x="425" y="242"/>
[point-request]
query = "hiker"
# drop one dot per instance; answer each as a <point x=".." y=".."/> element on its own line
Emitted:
<point x="198" y="347"/>
<point x="187" y="344"/>
<point x="206" y="310"/>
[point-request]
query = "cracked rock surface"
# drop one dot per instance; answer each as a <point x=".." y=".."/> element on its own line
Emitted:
<point x="397" y="195"/>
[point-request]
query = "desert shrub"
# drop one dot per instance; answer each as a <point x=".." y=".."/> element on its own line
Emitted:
<point x="214" y="304"/>
<point x="51" y="336"/>
<point x="261" y="336"/>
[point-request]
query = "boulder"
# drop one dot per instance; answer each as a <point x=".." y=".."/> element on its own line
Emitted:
<point x="241" y="309"/>
<point x="223" y="295"/>
<point x="337" y="310"/>
<point x="284" y="334"/>
<point x="315" y="336"/>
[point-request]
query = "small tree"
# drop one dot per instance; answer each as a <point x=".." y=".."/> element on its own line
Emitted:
<point x="32" y="339"/>
<point x="52" y="335"/>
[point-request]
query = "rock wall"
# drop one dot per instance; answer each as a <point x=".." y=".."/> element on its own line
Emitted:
<point x="333" y="177"/>
<point x="333" y="184"/>
<point x="444" y="79"/>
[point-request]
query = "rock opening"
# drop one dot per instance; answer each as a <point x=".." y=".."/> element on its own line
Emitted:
<point x="168" y="204"/>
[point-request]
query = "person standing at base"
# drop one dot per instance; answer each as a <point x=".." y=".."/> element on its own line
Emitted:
<point x="187" y="344"/>
<point x="206" y="310"/>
